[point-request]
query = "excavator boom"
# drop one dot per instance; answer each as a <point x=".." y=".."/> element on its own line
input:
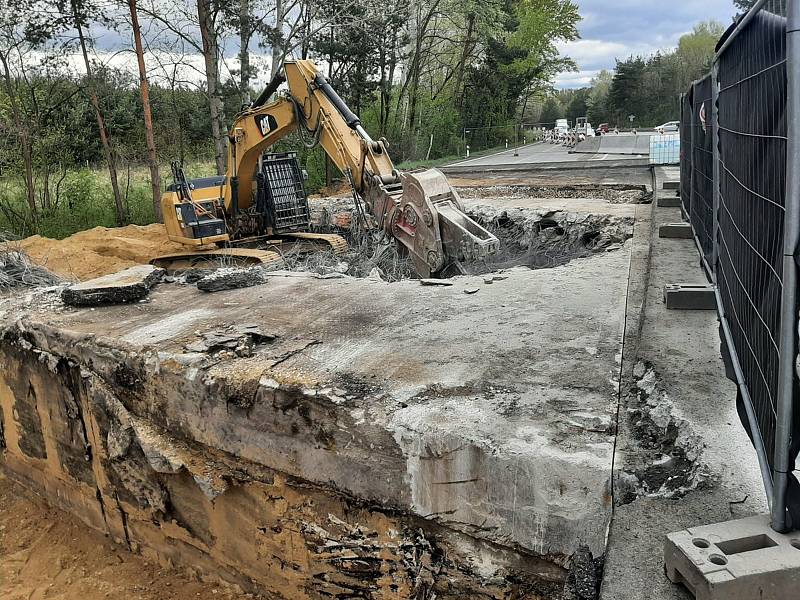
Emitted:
<point x="420" y="209"/>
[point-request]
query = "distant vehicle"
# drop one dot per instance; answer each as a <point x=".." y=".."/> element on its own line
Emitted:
<point x="668" y="127"/>
<point x="602" y="128"/>
<point x="584" y="128"/>
<point x="562" y="127"/>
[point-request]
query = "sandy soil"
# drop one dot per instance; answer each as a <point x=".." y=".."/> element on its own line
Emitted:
<point x="46" y="553"/>
<point x="99" y="251"/>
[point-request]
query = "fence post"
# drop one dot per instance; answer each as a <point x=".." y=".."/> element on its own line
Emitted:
<point x="692" y="137"/>
<point x="791" y="227"/>
<point x="715" y="171"/>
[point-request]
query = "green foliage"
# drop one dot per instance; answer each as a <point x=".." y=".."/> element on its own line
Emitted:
<point x="578" y="105"/>
<point x="84" y="200"/>
<point x="597" y="103"/>
<point x="541" y="24"/>
<point x="650" y="87"/>
<point x="475" y="64"/>
<point x="551" y="111"/>
<point x="744" y="5"/>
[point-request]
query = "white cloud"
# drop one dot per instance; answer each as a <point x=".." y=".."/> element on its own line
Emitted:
<point x="574" y="79"/>
<point x="592" y="55"/>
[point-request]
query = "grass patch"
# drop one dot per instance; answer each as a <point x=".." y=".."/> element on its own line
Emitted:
<point x="84" y="199"/>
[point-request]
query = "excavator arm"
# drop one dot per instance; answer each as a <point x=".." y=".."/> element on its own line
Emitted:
<point x="420" y="209"/>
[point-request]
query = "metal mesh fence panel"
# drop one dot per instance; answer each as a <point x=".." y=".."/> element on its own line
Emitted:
<point x="686" y="151"/>
<point x="752" y="178"/>
<point x="701" y="209"/>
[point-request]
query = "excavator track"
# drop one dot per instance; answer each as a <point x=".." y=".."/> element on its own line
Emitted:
<point x="321" y="241"/>
<point x="216" y="258"/>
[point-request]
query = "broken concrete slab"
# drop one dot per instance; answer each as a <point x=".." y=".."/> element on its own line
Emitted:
<point x="231" y="279"/>
<point x="433" y="282"/>
<point x="735" y="560"/>
<point x="131" y="285"/>
<point x="390" y="438"/>
<point x="240" y="339"/>
<point x="422" y="407"/>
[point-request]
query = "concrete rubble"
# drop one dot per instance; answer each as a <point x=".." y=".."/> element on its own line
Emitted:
<point x="231" y="279"/>
<point x="322" y="435"/>
<point x="131" y="285"/>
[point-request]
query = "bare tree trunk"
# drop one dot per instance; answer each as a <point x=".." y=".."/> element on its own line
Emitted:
<point x="25" y="139"/>
<point x="244" y="51"/>
<point x="307" y="19"/>
<point x="144" y="87"/>
<point x="122" y="218"/>
<point x="458" y="97"/>
<point x="277" y="44"/>
<point x="211" y="59"/>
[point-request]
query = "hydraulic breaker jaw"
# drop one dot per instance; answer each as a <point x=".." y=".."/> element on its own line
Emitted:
<point x="429" y="220"/>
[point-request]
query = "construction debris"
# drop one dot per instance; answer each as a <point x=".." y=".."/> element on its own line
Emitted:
<point x="231" y="279"/>
<point x="441" y="282"/>
<point x="241" y="339"/>
<point x="130" y="285"/>
<point x="17" y="270"/>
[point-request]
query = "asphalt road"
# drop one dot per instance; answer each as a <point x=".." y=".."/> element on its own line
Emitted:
<point x="537" y="153"/>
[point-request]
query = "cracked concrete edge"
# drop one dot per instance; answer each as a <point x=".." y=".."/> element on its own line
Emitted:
<point x="638" y="279"/>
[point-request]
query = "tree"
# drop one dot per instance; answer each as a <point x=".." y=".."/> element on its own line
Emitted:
<point x="696" y="50"/>
<point x="628" y="94"/>
<point x="578" y="104"/>
<point x="80" y="13"/>
<point x="206" y="20"/>
<point x="144" y="89"/>
<point x="551" y="111"/>
<point x="597" y="103"/>
<point x="541" y="24"/>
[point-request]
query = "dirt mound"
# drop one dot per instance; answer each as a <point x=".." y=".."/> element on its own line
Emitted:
<point x="99" y="251"/>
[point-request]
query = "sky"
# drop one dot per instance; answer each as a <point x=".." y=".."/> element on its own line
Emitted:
<point x="613" y="29"/>
<point x="609" y="29"/>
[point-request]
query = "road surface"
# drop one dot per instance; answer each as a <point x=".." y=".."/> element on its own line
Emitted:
<point x="542" y="154"/>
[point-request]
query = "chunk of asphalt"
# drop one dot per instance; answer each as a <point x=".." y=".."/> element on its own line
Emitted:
<point x="231" y="279"/>
<point x="130" y="285"/>
<point x="442" y="282"/>
<point x="471" y="290"/>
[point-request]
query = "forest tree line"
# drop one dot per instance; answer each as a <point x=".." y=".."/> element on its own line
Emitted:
<point x="432" y="76"/>
<point x="648" y="87"/>
<point x="418" y="73"/>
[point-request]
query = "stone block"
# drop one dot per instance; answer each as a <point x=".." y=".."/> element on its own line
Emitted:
<point x="690" y="296"/>
<point x="669" y="201"/>
<point x="676" y="231"/>
<point x="736" y="560"/>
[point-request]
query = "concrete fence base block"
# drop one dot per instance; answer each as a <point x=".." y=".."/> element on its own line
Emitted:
<point x="690" y="296"/>
<point x="671" y="185"/>
<point x="669" y="201"/>
<point x="735" y="560"/>
<point x="675" y="230"/>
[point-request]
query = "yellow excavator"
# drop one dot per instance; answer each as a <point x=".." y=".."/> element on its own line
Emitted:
<point x="260" y="205"/>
